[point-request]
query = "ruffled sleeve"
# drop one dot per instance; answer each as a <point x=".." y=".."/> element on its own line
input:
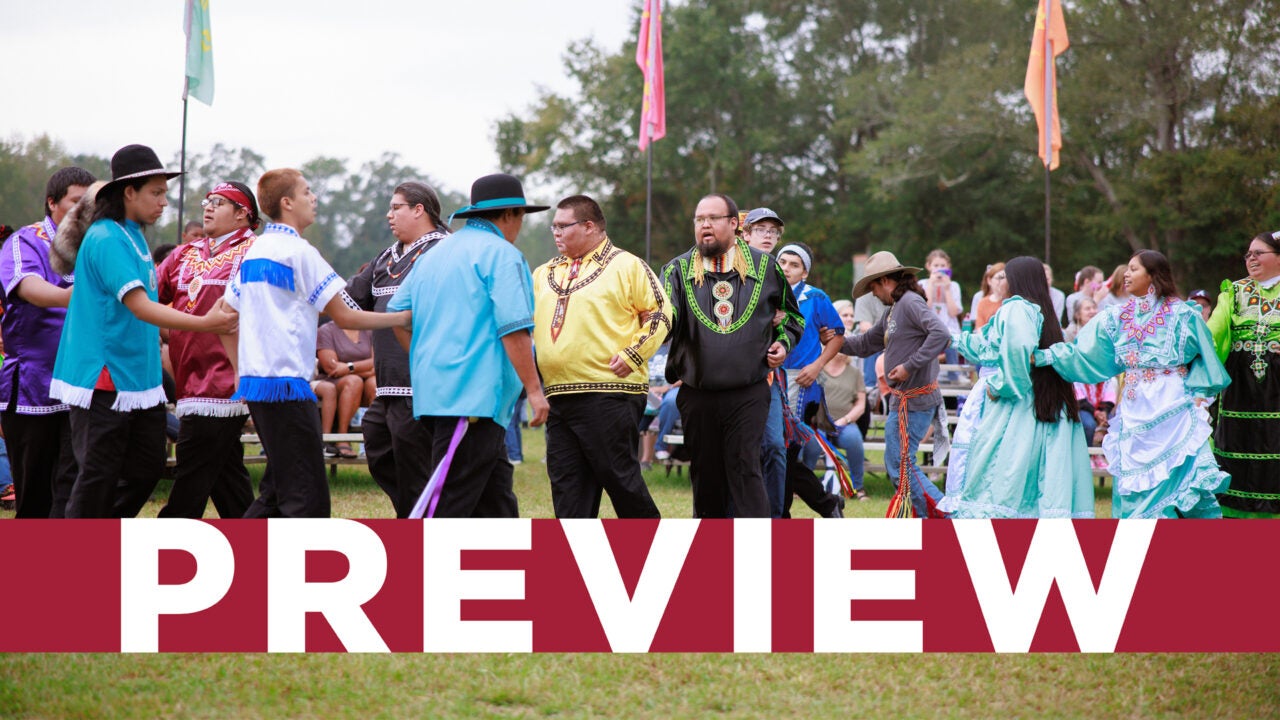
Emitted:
<point x="1220" y="321"/>
<point x="1016" y="333"/>
<point x="1091" y="358"/>
<point x="1206" y="376"/>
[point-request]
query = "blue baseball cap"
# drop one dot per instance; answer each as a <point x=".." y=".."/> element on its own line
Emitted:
<point x="763" y="213"/>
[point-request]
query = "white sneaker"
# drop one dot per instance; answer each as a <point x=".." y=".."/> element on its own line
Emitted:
<point x="662" y="455"/>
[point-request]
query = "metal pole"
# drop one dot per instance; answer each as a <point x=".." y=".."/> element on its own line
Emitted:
<point x="648" y="202"/>
<point x="1049" y="117"/>
<point x="182" y="179"/>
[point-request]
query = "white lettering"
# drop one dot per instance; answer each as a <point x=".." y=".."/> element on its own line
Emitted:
<point x="1054" y="556"/>
<point x="446" y="585"/>
<point x="630" y="623"/>
<point x="835" y="585"/>
<point x="143" y="599"/>
<point x="290" y="597"/>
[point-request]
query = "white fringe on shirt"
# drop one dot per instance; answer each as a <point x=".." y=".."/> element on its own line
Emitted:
<point x="211" y="407"/>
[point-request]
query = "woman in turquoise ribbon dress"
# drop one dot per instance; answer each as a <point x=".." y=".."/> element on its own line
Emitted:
<point x="1026" y="454"/>
<point x="1157" y="447"/>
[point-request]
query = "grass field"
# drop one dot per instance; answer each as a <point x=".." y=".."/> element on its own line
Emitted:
<point x="645" y="686"/>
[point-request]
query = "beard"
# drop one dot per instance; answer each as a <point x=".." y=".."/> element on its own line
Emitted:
<point x="712" y="247"/>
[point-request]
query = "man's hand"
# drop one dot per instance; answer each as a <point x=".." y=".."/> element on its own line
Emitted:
<point x="826" y="334"/>
<point x="808" y="375"/>
<point x="222" y="319"/>
<point x="899" y="374"/>
<point x="538" y="403"/>
<point x="619" y="366"/>
<point x="777" y="354"/>
<point x="778" y="317"/>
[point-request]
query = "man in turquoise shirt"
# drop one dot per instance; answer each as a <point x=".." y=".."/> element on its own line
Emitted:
<point x="471" y="351"/>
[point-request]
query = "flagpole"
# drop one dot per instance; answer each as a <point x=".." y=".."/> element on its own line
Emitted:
<point x="1048" y="120"/>
<point x="648" y="199"/>
<point x="182" y="179"/>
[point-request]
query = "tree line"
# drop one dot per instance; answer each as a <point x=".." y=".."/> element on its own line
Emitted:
<point x="351" y="223"/>
<point x="901" y="125"/>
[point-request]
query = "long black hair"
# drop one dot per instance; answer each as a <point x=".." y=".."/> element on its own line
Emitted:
<point x="907" y="282"/>
<point x="1025" y="276"/>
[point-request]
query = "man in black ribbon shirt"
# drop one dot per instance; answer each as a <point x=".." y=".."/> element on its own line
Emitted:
<point x="723" y="343"/>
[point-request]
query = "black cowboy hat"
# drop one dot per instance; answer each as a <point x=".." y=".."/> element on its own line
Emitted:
<point x="136" y="161"/>
<point x="499" y="191"/>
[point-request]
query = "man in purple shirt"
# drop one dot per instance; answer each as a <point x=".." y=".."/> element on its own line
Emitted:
<point x="37" y="429"/>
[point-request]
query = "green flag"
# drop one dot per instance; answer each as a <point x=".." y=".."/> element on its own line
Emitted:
<point x="199" y="52"/>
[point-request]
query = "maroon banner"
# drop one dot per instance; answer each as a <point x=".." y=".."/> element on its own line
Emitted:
<point x="639" y="586"/>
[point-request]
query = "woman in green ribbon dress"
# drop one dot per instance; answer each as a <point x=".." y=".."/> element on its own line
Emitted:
<point x="1246" y="330"/>
<point x="1026" y="453"/>
<point x="1157" y="447"/>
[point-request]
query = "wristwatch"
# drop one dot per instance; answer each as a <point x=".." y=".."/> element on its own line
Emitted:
<point x="351" y="367"/>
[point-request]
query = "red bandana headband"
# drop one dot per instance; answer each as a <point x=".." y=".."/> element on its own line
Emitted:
<point x="232" y="193"/>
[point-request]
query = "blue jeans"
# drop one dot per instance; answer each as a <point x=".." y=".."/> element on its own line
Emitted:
<point x="773" y="455"/>
<point x="1090" y="424"/>
<point x="917" y="425"/>
<point x="515" y="443"/>
<point x="6" y="477"/>
<point x="668" y="414"/>
<point x="850" y="441"/>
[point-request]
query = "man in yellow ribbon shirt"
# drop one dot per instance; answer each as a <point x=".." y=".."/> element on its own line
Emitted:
<point x="599" y="314"/>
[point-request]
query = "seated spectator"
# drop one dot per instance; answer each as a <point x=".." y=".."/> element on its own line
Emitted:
<point x="1201" y="298"/>
<point x="1097" y="406"/>
<point x="1086" y="309"/>
<point x="846" y="394"/>
<point x="658" y="388"/>
<point x="845" y="310"/>
<point x="345" y="381"/>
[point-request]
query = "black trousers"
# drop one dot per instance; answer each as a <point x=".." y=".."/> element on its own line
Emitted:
<point x="210" y="466"/>
<point x="42" y="462"/>
<point x="724" y="430"/>
<point x="121" y="457"/>
<point x="479" y="482"/>
<point x="398" y="448"/>
<point x="294" y="484"/>
<point x="803" y="482"/>
<point x="592" y="445"/>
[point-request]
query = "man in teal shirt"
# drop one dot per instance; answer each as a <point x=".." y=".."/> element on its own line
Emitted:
<point x="471" y="351"/>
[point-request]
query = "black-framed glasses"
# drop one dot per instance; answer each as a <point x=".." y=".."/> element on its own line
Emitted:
<point x="708" y="219"/>
<point x="1251" y="254"/>
<point x="215" y="202"/>
<point x="561" y="227"/>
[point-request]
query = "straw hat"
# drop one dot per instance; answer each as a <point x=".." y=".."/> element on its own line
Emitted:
<point x="879" y="265"/>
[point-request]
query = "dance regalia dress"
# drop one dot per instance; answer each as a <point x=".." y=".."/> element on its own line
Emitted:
<point x="1157" y="447"/>
<point x="1016" y="466"/>
<point x="1246" y="330"/>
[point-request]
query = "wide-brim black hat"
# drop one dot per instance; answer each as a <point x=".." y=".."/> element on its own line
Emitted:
<point x="499" y="191"/>
<point x="136" y="161"/>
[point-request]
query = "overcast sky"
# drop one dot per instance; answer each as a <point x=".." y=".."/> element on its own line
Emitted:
<point x="295" y="79"/>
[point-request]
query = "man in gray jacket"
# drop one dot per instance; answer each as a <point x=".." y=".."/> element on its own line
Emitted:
<point x="911" y="336"/>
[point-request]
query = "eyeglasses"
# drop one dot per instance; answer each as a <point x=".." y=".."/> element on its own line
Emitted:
<point x="561" y="227"/>
<point x="708" y="219"/>
<point x="768" y="232"/>
<point x="1258" y="253"/>
<point x="215" y="202"/>
<point x="396" y="206"/>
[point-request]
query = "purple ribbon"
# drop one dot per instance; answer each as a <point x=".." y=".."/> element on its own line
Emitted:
<point x="426" y="505"/>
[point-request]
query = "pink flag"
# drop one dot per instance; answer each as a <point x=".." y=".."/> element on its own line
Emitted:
<point x="653" y="113"/>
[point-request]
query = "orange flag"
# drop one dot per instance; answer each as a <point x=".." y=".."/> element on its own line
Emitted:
<point x="1041" y="66"/>
<point x="653" y="113"/>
